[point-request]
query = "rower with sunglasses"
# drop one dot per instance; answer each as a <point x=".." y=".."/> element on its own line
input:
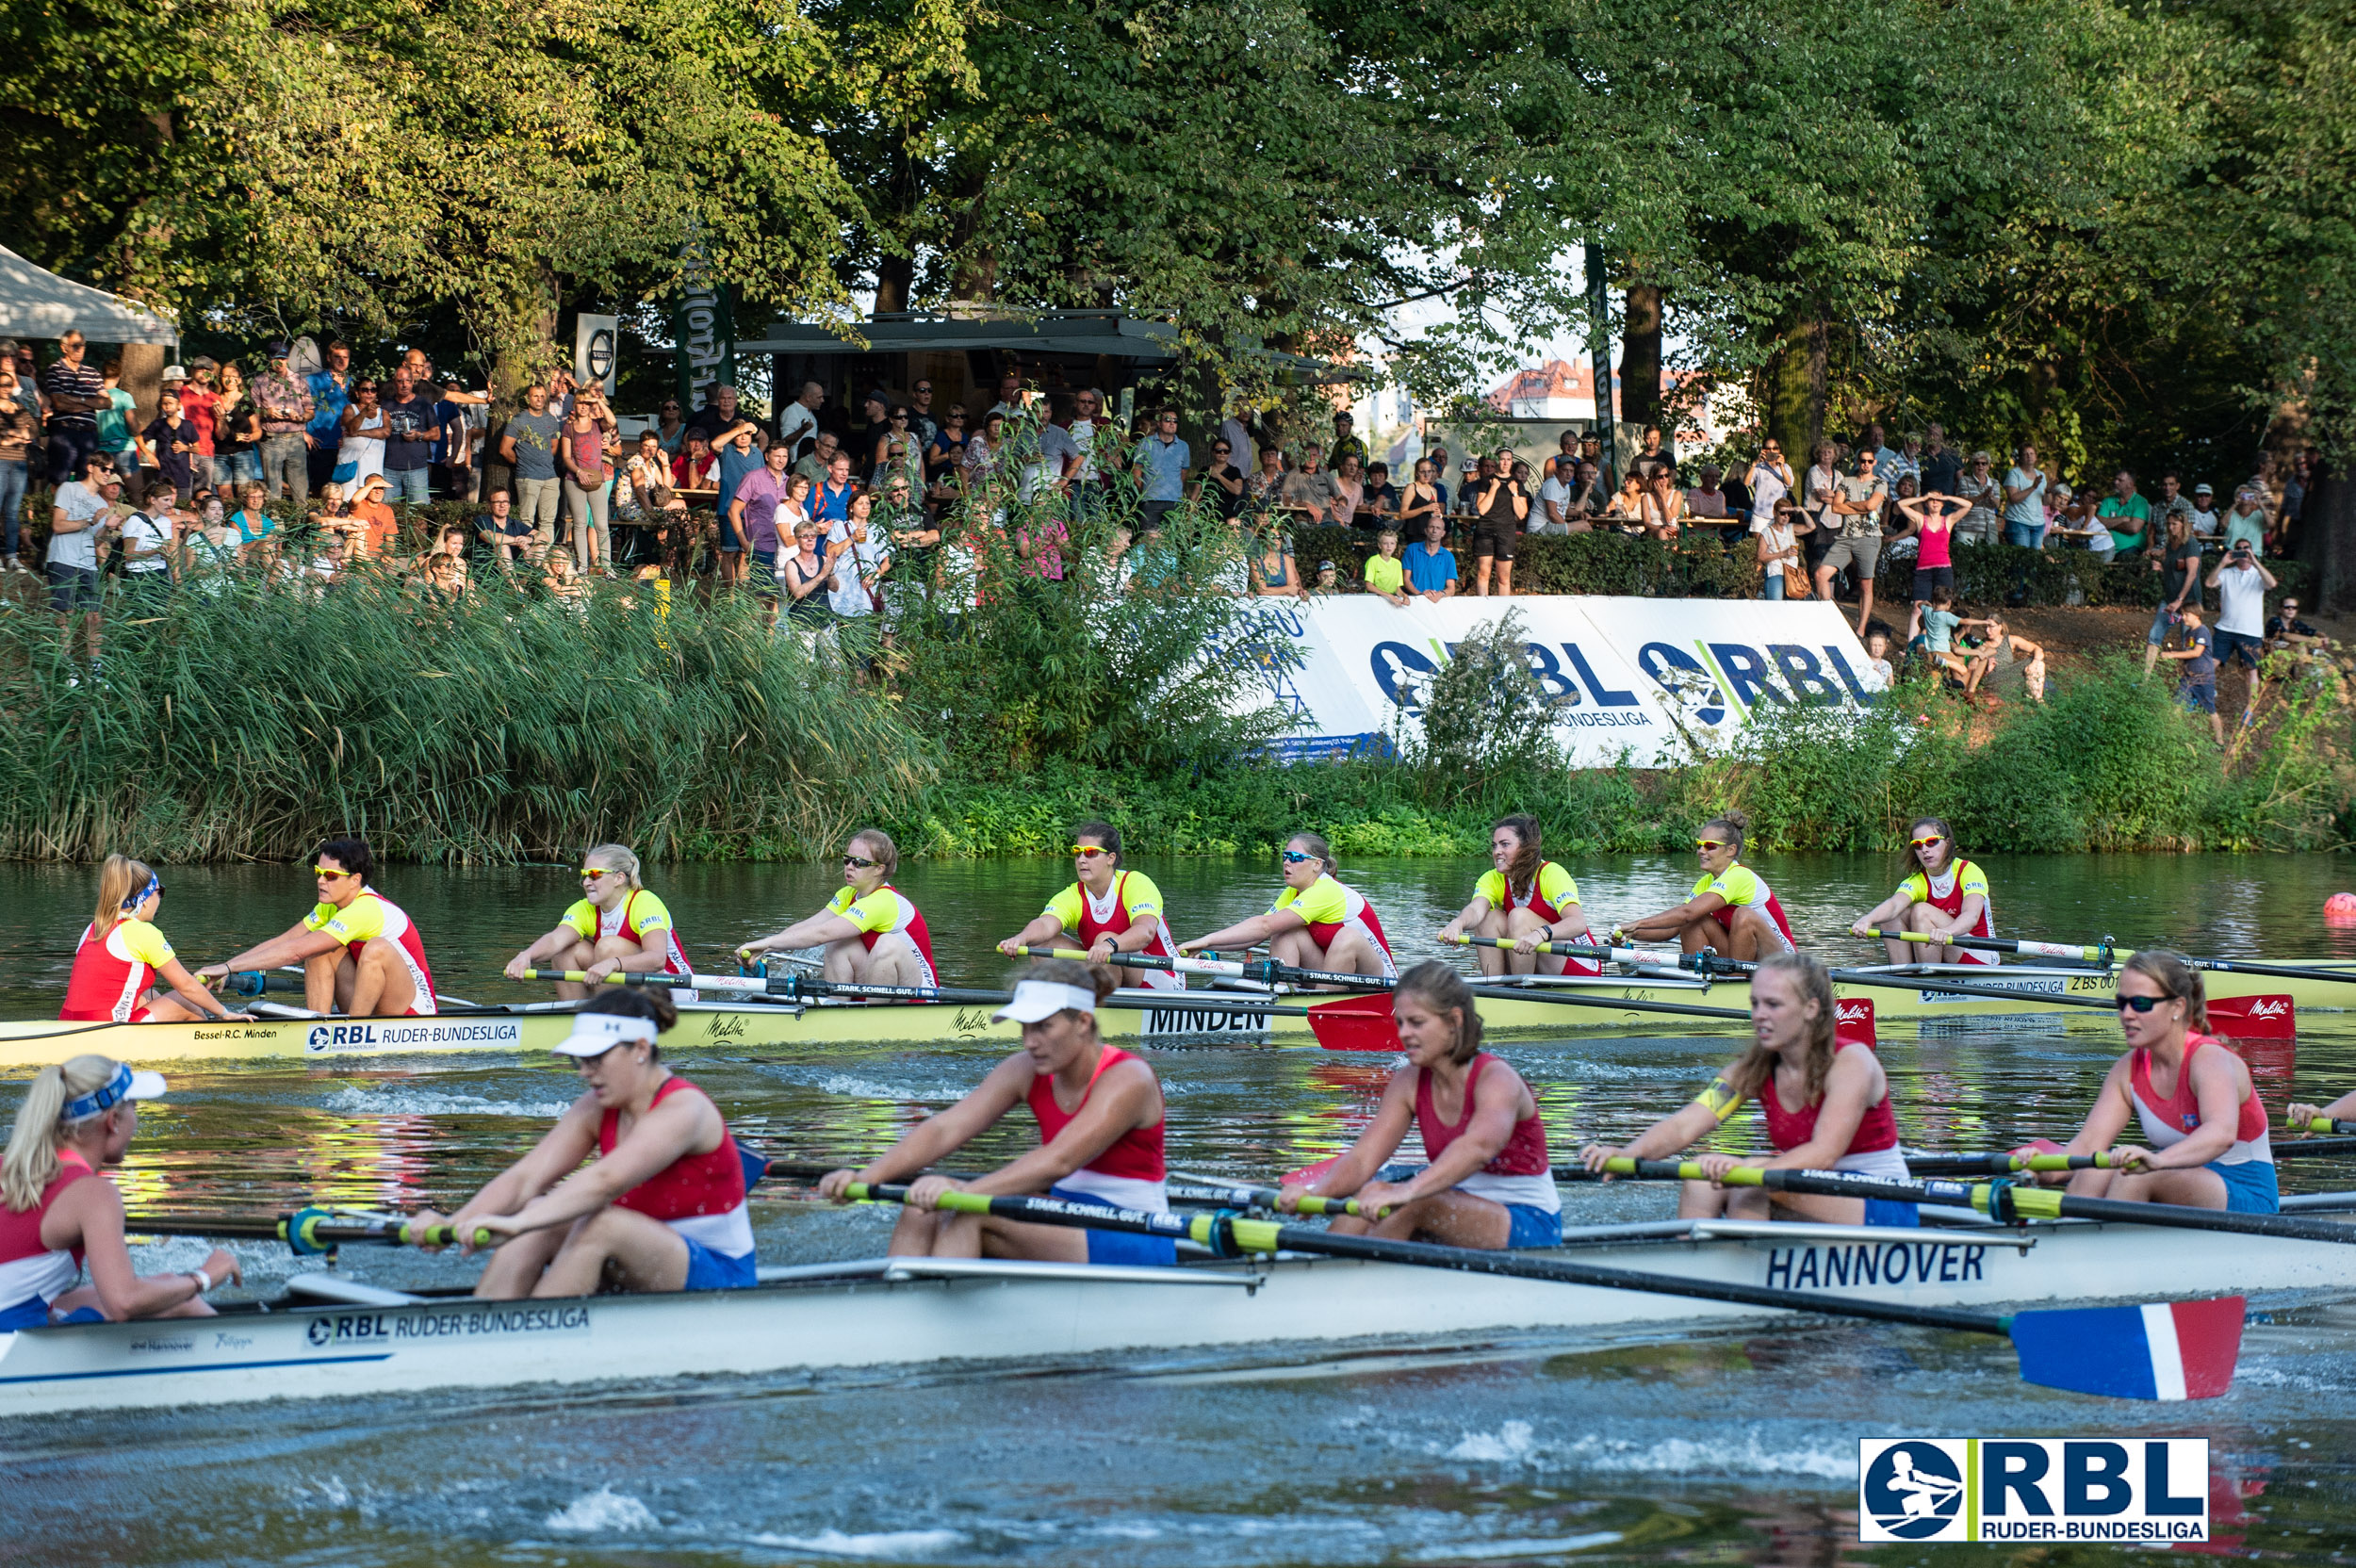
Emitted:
<point x="1732" y="910"/>
<point x="121" y="952"/>
<point x="360" y="951"/>
<point x="1107" y="909"/>
<point x="2205" y="1141"/>
<point x="1318" y="922"/>
<point x="872" y="933"/>
<point x="616" y="927"/>
<point x="1947" y="896"/>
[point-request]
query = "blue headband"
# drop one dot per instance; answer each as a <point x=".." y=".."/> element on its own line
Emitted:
<point x="99" y="1099"/>
<point x="153" y="887"/>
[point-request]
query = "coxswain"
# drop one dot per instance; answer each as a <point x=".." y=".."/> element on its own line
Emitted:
<point x="616" y="927"/>
<point x="1488" y="1183"/>
<point x="1526" y="899"/>
<point x="1946" y="896"/>
<point x="661" y="1205"/>
<point x="2205" y="1140"/>
<point x="1315" y="923"/>
<point x="872" y="933"/>
<point x="1731" y="909"/>
<point x="1107" y="909"/>
<point x="1099" y="1111"/>
<point x="361" y="954"/>
<point x="57" y="1212"/>
<point x="121" y="953"/>
<point x="1826" y="1103"/>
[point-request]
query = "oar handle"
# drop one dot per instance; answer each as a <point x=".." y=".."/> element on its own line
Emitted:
<point x="2323" y="1124"/>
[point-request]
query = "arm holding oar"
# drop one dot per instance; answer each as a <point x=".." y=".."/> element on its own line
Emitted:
<point x="1099" y="1111"/>
<point x="1317" y="922"/>
<point x="616" y="927"/>
<point x="1109" y="909"/>
<point x="871" y="931"/>
<point x="1524" y="901"/>
<point x="2303" y="1117"/>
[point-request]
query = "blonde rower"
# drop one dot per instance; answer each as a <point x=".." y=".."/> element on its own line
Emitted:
<point x="1315" y="923"/>
<point x="121" y="952"/>
<point x="1526" y="899"/>
<point x="57" y="1212"/>
<point x="872" y="932"/>
<point x="1947" y="896"/>
<point x="615" y="926"/>
<point x="1731" y="908"/>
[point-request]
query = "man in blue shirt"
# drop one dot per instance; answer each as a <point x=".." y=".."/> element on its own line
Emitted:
<point x="330" y="394"/>
<point x="1431" y="566"/>
<point x="1160" y="465"/>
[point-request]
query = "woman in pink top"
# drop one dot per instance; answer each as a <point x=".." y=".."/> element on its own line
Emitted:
<point x="1932" y="525"/>
<point x="588" y="477"/>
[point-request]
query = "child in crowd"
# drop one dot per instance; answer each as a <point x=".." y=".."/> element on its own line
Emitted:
<point x="254" y="524"/>
<point x="1877" y="654"/>
<point x="2199" y="655"/>
<point x="172" y="437"/>
<point x="1386" y="574"/>
<point x="1325" y="583"/>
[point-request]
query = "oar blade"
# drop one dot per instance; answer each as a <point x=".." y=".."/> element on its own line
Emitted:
<point x="2254" y="1018"/>
<point x="2164" y="1351"/>
<point x="1852" y="1022"/>
<point x="1355" y="1024"/>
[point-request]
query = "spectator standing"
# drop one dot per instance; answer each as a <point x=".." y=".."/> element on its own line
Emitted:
<point x="1985" y="494"/>
<point x="1223" y="481"/>
<point x="72" y="392"/>
<point x="1091" y="432"/>
<point x="238" y="437"/>
<point x="1238" y="437"/>
<point x="118" y="434"/>
<point x="284" y="405"/>
<point x="753" y="514"/>
<point x="1346" y="442"/>
<point x="1907" y="463"/>
<point x="330" y="388"/>
<point x="1310" y="486"/>
<point x="2199" y="657"/>
<point x="1421" y="501"/>
<point x="2205" y="523"/>
<point x="1430" y="564"/>
<point x="529" y="446"/>
<point x="171" y="436"/>
<point x="866" y="560"/>
<point x="1941" y="464"/>
<point x="721" y="413"/>
<point x="738" y="459"/>
<point x="798" y="423"/>
<point x="360" y="450"/>
<point x="2172" y="499"/>
<point x="1885" y="458"/>
<point x="2177" y="563"/>
<point x="815" y="464"/>
<point x="2125" y="514"/>
<point x="18" y="429"/>
<point x="2241" y="583"/>
<point x="1855" y="510"/>
<point x="830" y="502"/>
<point x="2247" y="520"/>
<point x="1932" y="526"/>
<point x="462" y="418"/>
<point x="2024" y="501"/>
<point x="1780" y="552"/>
<point x="1652" y="457"/>
<point x="920" y="420"/>
<point x="1160" y="465"/>
<point x="1817" y="489"/>
<point x="1504" y="507"/>
<point x="585" y="449"/>
<point x="410" y="434"/>
<point x="671" y="429"/>
<point x="78" y="525"/>
<point x="200" y="399"/>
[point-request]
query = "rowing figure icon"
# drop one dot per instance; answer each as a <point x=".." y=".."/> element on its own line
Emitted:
<point x="1913" y="1489"/>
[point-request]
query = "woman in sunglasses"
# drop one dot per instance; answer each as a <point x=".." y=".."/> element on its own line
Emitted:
<point x="2205" y="1141"/>
<point x="360" y="951"/>
<point x="871" y="930"/>
<point x="616" y="927"/>
<point x="1107" y="909"/>
<point x="1732" y="909"/>
<point x="121" y="954"/>
<point x="1946" y="896"/>
<point x="1315" y="923"/>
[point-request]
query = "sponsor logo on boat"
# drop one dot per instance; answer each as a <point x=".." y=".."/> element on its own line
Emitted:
<point x="2268" y="1007"/>
<point x="458" y="1322"/>
<point x="247" y="1034"/>
<point x="2147" y="1491"/>
<point x="2042" y="985"/>
<point x="162" y="1346"/>
<point x="414" y="1033"/>
<point x="1853" y="1011"/>
<point x="1207" y="1021"/>
<point x="1875" y="1263"/>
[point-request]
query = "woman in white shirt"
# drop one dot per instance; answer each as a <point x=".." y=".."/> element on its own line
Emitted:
<point x="1980" y="487"/>
<point x="1778" y="552"/>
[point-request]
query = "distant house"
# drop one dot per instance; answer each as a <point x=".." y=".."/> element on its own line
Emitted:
<point x="1555" y="390"/>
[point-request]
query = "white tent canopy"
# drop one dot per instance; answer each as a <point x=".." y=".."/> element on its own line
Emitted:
<point x="39" y="304"/>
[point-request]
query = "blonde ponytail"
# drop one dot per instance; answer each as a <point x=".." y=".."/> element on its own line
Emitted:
<point x="31" y="1161"/>
<point x="120" y="881"/>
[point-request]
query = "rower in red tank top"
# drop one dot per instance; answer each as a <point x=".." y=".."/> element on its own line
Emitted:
<point x="1946" y="896"/>
<point x="121" y="954"/>
<point x="1109" y="909"/>
<point x="1487" y="1183"/>
<point x="663" y="1205"/>
<point x="1825" y="1100"/>
<point x="1099" y="1111"/>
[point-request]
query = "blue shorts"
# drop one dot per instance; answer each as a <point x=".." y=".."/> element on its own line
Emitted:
<point x="2249" y="1186"/>
<point x="1533" y="1227"/>
<point x="35" y="1314"/>
<point x="2198" y="696"/>
<point x="1881" y="1211"/>
<point x="1120" y="1247"/>
<point x="711" y="1270"/>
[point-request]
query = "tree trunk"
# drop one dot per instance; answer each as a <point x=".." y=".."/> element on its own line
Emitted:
<point x="974" y="275"/>
<point x="2327" y="538"/>
<point x="895" y="275"/>
<point x="1640" y="357"/>
<point x="1793" y="396"/>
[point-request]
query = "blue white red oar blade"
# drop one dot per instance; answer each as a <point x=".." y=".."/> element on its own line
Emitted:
<point x="2162" y="1351"/>
<point x="1852" y="1022"/>
<point x="1355" y="1024"/>
<point x="2254" y="1018"/>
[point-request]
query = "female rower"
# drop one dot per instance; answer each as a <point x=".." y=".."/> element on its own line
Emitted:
<point x="2205" y="1137"/>
<point x="661" y="1207"/>
<point x="616" y="927"/>
<point x="1100" y="1138"/>
<point x="2342" y="1109"/>
<point x="871" y="931"/>
<point x="121" y="952"/>
<point x="1827" y="1101"/>
<point x="1947" y="896"/>
<point x="55" y="1211"/>
<point x="1732" y="910"/>
<point x="1315" y="923"/>
<point x="1107" y="909"/>
<point x="1488" y="1183"/>
<point x="360" y="953"/>
<point x="1527" y="900"/>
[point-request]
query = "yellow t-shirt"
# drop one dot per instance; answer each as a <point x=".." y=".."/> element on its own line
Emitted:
<point x="1918" y="886"/>
<point x="642" y="912"/>
<point x="882" y="911"/>
<point x="1740" y="887"/>
<point x="1555" y="889"/>
<point x="1325" y="903"/>
<point x="139" y="942"/>
<point x="1386" y="574"/>
<point x="360" y="921"/>
<point x="1134" y="893"/>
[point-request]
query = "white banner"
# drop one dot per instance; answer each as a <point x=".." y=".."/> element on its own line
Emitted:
<point x="1660" y="680"/>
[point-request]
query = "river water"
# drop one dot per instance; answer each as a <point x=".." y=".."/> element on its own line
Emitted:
<point x="1726" y="1448"/>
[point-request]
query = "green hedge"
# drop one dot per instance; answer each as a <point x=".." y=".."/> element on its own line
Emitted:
<point x="1699" y="567"/>
<point x="2009" y="574"/>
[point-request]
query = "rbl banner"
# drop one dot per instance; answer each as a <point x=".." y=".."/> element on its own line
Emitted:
<point x="2132" y="1491"/>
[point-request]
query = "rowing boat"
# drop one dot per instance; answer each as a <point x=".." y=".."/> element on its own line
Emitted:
<point x="1220" y="1017"/>
<point x="332" y="1336"/>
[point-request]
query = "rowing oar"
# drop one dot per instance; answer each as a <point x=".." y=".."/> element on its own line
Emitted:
<point x="1222" y="1193"/>
<point x="2107" y="956"/>
<point x="1663" y="955"/>
<point x="2177" y="1349"/>
<point x="2320" y="1124"/>
<point x="1998" y="1164"/>
<point x="306" y="1231"/>
<point x="1345" y="1023"/>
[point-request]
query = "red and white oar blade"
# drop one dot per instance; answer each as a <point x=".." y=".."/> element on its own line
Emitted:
<point x="2254" y="1018"/>
<point x="2163" y="1351"/>
<point x="1852" y="1022"/>
<point x="1355" y="1024"/>
<point x="1308" y="1174"/>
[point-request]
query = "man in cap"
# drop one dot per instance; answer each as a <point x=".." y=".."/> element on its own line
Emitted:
<point x="285" y="403"/>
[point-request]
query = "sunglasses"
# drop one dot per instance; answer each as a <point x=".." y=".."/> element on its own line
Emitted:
<point x="1926" y="843"/>
<point x="1293" y="857"/>
<point x="859" y="862"/>
<point x="590" y="874"/>
<point x="329" y="874"/>
<point x="2142" y="1003"/>
<point x="1706" y="846"/>
<point x="1088" y="852"/>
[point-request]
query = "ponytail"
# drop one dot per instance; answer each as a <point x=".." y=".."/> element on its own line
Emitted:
<point x="2174" y="974"/>
<point x="122" y="886"/>
<point x="31" y="1163"/>
<point x="1319" y="848"/>
<point x="618" y="857"/>
<point x="1738" y="825"/>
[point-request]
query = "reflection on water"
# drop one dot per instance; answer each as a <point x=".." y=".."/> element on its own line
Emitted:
<point x="1728" y="1448"/>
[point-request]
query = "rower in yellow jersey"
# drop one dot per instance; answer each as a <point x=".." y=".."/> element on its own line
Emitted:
<point x="1525" y="899"/>
<point x="1947" y="896"/>
<point x="1317" y="922"/>
<point x="872" y="932"/>
<point x="1732" y="910"/>
<point x="1109" y="909"/>
<point x="615" y="926"/>
<point x="361" y="953"/>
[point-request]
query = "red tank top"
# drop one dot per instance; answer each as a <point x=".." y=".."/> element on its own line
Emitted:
<point x="1525" y="1152"/>
<point x="20" y="1234"/>
<point x="1876" y="1129"/>
<point x="1136" y="1154"/>
<point x="693" y="1184"/>
<point x="2179" y="1113"/>
<point x="103" y="987"/>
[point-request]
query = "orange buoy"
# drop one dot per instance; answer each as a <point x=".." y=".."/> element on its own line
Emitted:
<point x="2341" y="904"/>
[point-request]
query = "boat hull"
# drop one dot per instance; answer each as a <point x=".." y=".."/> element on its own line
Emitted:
<point x="915" y="1311"/>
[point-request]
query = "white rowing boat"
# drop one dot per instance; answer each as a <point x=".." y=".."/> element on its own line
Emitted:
<point x="333" y="1337"/>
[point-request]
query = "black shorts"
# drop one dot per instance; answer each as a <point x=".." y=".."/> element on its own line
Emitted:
<point x="1928" y="577"/>
<point x="72" y="588"/>
<point x="1494" y="538"/>
<point x="1815" y="547"/>
<point x="2230" y="645"/>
